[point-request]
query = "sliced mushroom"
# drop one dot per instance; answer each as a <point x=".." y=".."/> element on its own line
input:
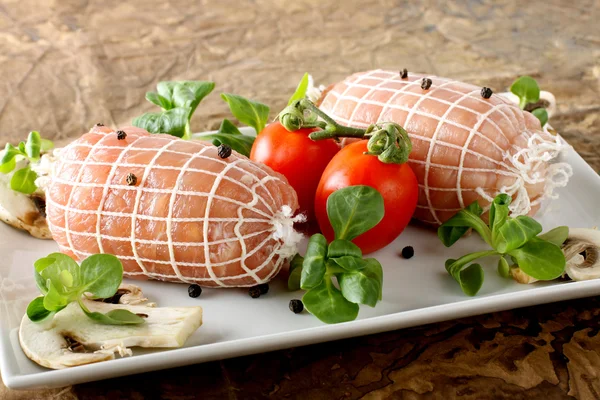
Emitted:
<point x="25" y="212"/>
<point x="70" y="338"/>
<point x="582" y="252"/>
<point x="518" y="275"/>
<point x="22" y="211"/>
<point x="582" y="255"/>
<point x="128" y="294"/>
<point x="547" y="100"/>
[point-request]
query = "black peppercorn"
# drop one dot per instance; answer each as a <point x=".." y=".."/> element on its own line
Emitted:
<point x="404" y="73"/>
<point x="194" y="290"/>
<point x="99" y="124"/>
<point x="408" y="252"/>
<point x="296" y="306"/>
<point x="121" y="135"/>
<point x="426" y="84"/>
<point x="486" y="92"/>
<point x="264" y="288"/>
<point x="254" y="292"/>
<point x="131" y="179"/>
<point x="224" y="151"/>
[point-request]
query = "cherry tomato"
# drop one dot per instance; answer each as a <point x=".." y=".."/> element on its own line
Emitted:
<point x="299" y="158"/>
<point x="397" y="184"/>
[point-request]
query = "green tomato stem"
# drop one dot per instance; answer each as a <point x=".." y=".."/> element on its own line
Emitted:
<point x="388" y="141"/>
<point x="307" y="104"/>
<point x="331" y="130"/>
<point x="338" y="132"/>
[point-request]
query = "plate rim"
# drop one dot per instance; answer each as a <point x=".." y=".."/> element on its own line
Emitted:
<point x="171" y="358"/>
<point x="240" y="347"/>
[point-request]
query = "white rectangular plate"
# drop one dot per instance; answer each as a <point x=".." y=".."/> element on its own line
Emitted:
<point x="416" y="291"/>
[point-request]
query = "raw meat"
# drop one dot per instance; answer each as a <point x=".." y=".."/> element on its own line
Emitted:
<point x="465" y="147"/>
<point x="189" y="217"/>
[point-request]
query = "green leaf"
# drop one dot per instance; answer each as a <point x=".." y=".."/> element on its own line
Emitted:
<point x="327" y="303"/>
<point x="503" y="268"/>
<point x="166" y="88"/>
<point x="101" y="275"/>
<point x="454" y="266"/>
<point x="182" y="96"/>
<point x="33" y="145"/>
<point x="54" y="300"/>
<point x="39" y="266"/>
<point x="40" y="282"/>
<point x="230" y="135"/>
<point x="173" y="121"/>
<point x="10" y="151"/>
<point x="300" y="92"/>
<point x="52" y="269"/>
<point x="46" y="145"/>
<point x="453" y="229"/>
<point x="66" y="278"/>
<point x="499" y="213"/>
<point x="8" y="166"/>
<point x="248" y="112"/>
<point x="470" y="279"/>
<point x="159" y="100"/>
<point x="62" y="281"/>
<point x="342" y="247"/>
<point x="527" y="89"/>
<point x="313" y="267"/>
<point x="515" y="233"/>
<point x="541" y="114"/>
<point x="556" y="236"/>
<point x="364" y="286"/>
<point x="36" y="311"/>
<point x="8" y="161"/>
<point x="354" y="210"/>
<point x="22" y="149"/>
<point x="295" y="272"/>
<point x="540" y="259"/>
<point x="58" y="262"/>
<point x="114" y="317"/>
<point x="23" y="180"/>
<point x="43" y="263"/>
<point x="188" y="94"/>
<point x="349" y="263"/>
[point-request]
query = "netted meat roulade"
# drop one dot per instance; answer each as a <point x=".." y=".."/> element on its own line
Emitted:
<point x="465" y="147"/>
<point x="171" y="209"/>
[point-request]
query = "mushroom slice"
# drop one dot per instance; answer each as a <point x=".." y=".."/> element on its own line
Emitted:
<point x="518" y="275"/>
<point x="70" y="338"/>
<point x="128" y="294"/>
<point x="25" y="212"/>
<point x="547" y="100"/>
<point x="582" y="252"/>
<point x="22" y="211"/>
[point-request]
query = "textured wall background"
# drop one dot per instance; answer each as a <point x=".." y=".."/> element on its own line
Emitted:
<point x="67" y="64"/>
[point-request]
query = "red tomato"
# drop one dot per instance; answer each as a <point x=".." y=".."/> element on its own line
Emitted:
<point x="294" y="155"/>
<point x="397" y="184"/>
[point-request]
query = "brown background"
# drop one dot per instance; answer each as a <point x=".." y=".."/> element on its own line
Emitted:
<point x="66" y="65"/>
